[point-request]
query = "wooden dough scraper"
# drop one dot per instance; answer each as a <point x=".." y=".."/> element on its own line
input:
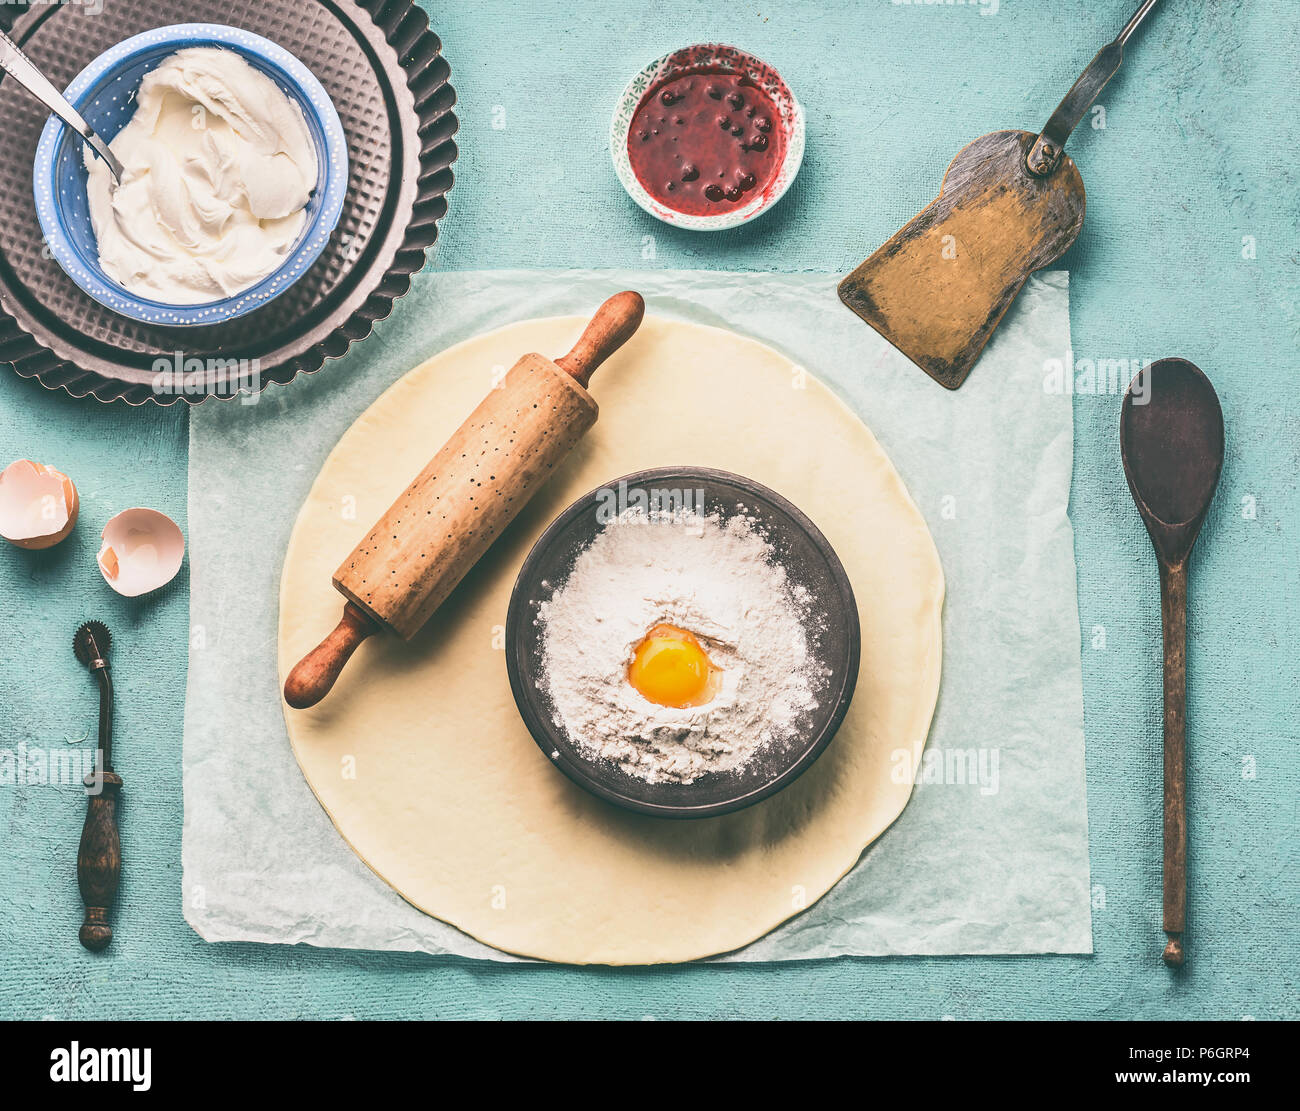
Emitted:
<point x="460" y="503"/>
<point x="1011" y="202"/>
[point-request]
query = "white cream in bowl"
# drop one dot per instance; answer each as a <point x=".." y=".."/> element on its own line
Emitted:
<point x="219" y="166"/>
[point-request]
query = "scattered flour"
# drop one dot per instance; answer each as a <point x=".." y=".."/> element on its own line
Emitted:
<point x="712" y="577"/>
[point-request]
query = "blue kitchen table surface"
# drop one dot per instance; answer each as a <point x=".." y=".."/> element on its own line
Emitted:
<point x="1191" y="248"/>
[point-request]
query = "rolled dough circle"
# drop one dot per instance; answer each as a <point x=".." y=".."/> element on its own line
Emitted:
<point x="419" y="755"/>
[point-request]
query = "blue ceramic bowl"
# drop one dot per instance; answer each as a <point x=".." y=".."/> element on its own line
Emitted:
<point x="104" y="93"/>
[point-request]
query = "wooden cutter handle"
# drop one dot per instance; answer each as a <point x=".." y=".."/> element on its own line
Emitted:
<point x="314" y="675"/>
<point x="99" y="862"/>
<point x="613" y="325"/>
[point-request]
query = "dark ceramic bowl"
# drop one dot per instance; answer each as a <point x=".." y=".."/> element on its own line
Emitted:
<point x="809" y="561"/>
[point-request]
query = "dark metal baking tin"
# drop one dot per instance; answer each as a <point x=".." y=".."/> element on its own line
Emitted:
<point x="383" y="68"/>
<point x="810" y="561"/>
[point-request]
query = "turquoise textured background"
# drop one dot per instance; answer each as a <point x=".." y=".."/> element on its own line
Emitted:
<point x="1198" y="153"/>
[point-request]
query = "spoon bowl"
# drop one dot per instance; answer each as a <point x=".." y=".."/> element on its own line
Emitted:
<point x="1172" y="446"/>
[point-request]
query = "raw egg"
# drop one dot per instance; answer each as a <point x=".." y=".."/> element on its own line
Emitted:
<point x="672" y="668"/>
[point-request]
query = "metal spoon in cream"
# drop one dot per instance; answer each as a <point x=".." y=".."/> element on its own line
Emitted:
<point x="219" y="169"/>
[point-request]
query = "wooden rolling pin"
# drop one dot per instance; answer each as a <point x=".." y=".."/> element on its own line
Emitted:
<point x="461" y="502"/>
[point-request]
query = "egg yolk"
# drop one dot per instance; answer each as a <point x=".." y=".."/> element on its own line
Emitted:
<point x="670" y="667"/>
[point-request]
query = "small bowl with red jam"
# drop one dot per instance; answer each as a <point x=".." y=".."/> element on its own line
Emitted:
<point x="707" y="137"/>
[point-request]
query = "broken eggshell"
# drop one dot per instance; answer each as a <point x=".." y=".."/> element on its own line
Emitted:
<point x="38" y="505"/>
<point x="142" y="551"/>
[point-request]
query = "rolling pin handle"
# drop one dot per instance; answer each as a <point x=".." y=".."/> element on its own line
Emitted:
<point x="615" y="322"/>
<point x="315" y="674"/>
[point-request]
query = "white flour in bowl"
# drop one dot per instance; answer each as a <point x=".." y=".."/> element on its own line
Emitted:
<point x="712" y="577"/>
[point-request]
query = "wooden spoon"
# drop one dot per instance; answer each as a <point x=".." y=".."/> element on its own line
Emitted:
<point x="1171" y="439"/>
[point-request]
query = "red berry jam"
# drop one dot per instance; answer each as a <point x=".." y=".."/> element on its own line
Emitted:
<point x="706" y="143"/>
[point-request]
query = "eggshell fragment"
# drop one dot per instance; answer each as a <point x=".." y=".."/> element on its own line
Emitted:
<point x="38" y="505"/>
<point x="142" y="551"/>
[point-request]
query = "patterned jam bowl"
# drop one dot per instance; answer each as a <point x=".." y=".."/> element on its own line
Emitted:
<point x="709" y="58"/>
<point x="104" y="93"/>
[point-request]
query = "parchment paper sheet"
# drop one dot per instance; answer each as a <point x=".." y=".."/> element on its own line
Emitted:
<point x="991" y="854"/>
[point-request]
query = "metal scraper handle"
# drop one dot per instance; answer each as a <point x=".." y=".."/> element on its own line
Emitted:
<point x="15" y="63"/>
<point x="1045" y="155"/>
